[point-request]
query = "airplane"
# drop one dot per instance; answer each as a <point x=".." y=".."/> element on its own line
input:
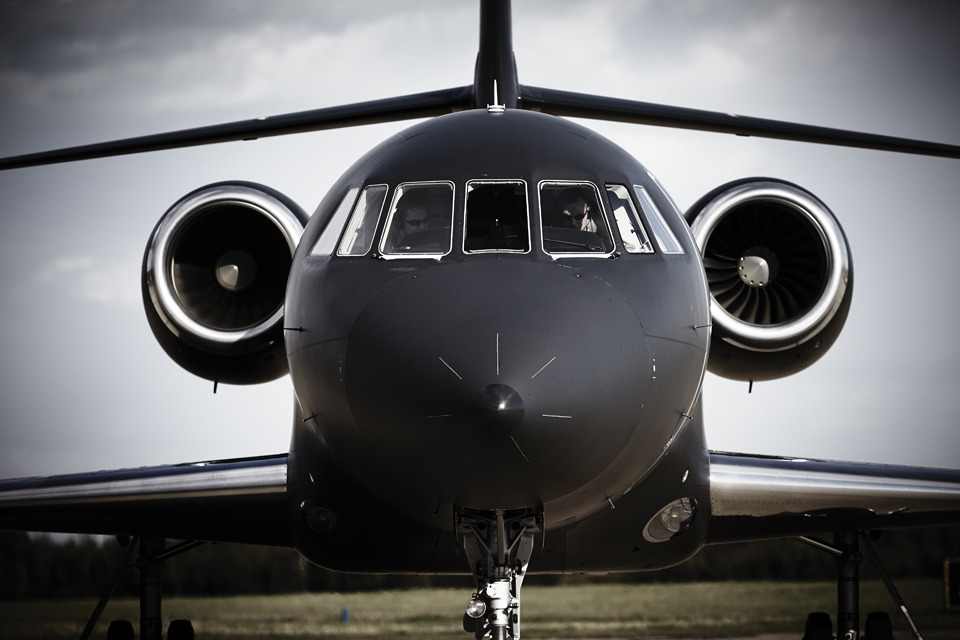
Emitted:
<point x="537" y="194"/>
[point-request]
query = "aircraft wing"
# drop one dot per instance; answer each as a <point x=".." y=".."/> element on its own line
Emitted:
<point x="763" y="497"/>
<point x="242" y="500"/>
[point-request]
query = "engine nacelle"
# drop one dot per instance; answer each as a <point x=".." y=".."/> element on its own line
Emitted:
<point x="214" y="278"/>
<point x="780" y="276"/>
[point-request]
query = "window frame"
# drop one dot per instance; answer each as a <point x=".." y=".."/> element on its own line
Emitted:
<point x="389" y="219"/>
<point x="376" y="225"/>
<point x="314" y="253"/>
<point x="526" y="201"/>
<point x="655" y="211"/>
<point x="603" y="215"/>
<point x="634" y="217"/>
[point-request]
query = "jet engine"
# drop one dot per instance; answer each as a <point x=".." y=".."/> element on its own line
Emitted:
<point x="780" y="276"/>
<point x="214" y="279"/>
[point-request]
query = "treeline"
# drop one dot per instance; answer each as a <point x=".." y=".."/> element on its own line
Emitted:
<point x="42" y="567"/>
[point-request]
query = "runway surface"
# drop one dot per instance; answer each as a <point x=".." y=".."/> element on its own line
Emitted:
<point x="898" y="635"/>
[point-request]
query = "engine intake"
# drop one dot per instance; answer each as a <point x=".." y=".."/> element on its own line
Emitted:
<point x="214" y="278"/>
<point x="780" y="276"/>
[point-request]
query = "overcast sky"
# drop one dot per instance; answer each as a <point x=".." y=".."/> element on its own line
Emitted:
<point x="83" y="384"/>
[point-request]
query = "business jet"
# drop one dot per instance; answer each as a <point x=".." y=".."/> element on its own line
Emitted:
<point x="497" y="325"/>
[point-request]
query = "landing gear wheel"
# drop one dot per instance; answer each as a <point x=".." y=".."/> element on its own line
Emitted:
<point x="878" y="627"/>
<point x="180" y="630"/>
<point x="120" y="630"/>
<point x="818" y="627"/>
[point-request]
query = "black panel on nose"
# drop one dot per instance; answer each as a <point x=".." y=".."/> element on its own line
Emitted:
<point x="493" y="383"/>
<point x="500" y="408"/>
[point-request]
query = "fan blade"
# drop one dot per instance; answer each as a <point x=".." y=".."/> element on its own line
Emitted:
<point x="418" y="105"/>
<point x="582" y="105"/>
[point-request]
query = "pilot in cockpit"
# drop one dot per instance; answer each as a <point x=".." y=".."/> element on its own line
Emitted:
<point x="422" y="220"/>
<point x="576" y="210"/>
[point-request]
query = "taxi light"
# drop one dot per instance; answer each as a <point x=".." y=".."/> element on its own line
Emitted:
<point x="476" y="607"/>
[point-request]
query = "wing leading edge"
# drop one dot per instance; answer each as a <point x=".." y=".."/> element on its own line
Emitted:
<point x="761" y="497"/>
<point x="242" y="500"/>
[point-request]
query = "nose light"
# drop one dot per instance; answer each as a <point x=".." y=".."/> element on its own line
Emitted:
<point x="671" y="521"/>
<point x="500" y="407"/>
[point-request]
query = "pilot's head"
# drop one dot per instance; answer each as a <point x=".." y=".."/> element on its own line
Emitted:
<point x="575" y="207"/>
<point x="416" y="208"/>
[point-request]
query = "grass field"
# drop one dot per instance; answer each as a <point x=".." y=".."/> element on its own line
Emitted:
<point x="591" y="610"/>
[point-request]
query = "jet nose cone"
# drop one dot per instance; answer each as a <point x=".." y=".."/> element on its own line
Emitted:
<point x="500" y="408"/>
<point x="492" y="383"/>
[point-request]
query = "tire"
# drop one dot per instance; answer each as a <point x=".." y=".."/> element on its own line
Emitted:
<point x="878" y="627"/>
<point x="120" y="630"/>
<point x="818" y="627"/>
<point x="469" y="624"/>
<point x="180" y="630"/>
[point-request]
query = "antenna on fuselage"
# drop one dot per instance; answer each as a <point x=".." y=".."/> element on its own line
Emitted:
<point x="496" y="107"/>
<point x="496" y="67"/>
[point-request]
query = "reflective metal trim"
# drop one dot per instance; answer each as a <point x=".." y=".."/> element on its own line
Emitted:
<point x="666" y="194"/>
<point x="649" y="207"/>
<point x="393" y="204"/>
<point x="603" y="211"/>
<point x="752" y="486"/>
<point x="526" y="199"/>
<point x="150" y="483"/>
<point x="159" y="261"/>
<point x="376" y="225"/>
<point x="634" y="221"/>
<point x="329" y="238"/>
<point x="798" y="331"/>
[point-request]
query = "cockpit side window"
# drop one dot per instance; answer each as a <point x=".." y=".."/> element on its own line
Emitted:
<point x="358" y="238"/>
<point x="572" y="219"/>
<point x="634" y="237"/>
<point x="665" y="238"/>
<point x="420" y="221"/>
<point x="328" y="239"/>
<point x="496" y="217"/>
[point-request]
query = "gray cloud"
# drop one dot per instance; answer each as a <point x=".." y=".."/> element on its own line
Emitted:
<point x="83" y="383"/>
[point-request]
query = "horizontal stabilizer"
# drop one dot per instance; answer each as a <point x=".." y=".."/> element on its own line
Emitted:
<point x="418" y="105"/>
<point x="582" y="105"/>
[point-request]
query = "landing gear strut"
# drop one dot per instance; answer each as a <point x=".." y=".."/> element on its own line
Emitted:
<point x="848" y="585"/>
<point x="150" y="564"/>
<point x="498" y="545"/>
<point x="847" y="549"/>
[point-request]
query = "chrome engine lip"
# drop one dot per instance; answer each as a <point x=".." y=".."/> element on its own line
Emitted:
<point x="785" y="335"/>
<point x="159" y="264"/>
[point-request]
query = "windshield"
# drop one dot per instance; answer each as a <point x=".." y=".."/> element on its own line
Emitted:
<point x="572" y="219"/>
<point x="358" y="237"/>
<point x="420" y="221"/>
<point x="496" y="217"/>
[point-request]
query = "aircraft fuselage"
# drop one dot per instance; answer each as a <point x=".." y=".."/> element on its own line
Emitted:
<point x="544" y="372"/>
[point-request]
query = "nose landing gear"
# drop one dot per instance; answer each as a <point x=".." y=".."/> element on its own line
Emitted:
<point x="498" y="545"/>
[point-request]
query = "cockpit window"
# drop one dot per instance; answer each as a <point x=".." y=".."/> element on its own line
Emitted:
<point x="496" y="217"/>
<point x="420" y="221"/>
<point x="358" y="238"/>
<point x="572" y="219"/>
<point x="628" y="222"/>
<point x="665" y="238"/>
<point x="328" y="239"/>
